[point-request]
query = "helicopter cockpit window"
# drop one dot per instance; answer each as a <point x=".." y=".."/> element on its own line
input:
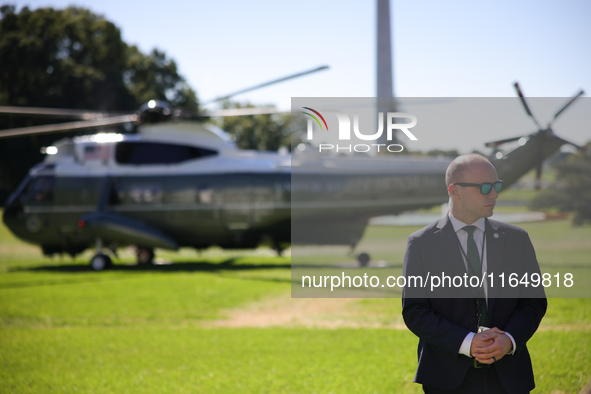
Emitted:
<point x="133" y="152"/>
<point x="40" y="190"/>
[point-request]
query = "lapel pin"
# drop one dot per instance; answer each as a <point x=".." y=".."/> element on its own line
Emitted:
<point x="496" y="235"/>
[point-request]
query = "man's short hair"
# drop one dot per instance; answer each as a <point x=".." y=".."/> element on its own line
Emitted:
<point x="458" y="167"/>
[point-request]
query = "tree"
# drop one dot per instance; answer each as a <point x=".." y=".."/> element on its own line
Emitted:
<point x="261" y="132"/>
<point x="72" y="58"/>
<point x="154" y="76"/>
<point x="68" y="58"/>
<point x="571" y="191"/>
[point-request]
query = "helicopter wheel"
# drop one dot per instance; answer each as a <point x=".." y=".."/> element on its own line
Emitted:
<point x="100" y="262"/>
<point x="145" y="255"/>
<point x="363" y="259"/>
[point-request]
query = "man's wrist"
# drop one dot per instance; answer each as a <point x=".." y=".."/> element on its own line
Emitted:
<point x="466" y="345"/>
<point x="513" y="345"/>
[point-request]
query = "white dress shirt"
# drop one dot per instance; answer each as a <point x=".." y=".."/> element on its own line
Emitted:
<point x="478" y="236"/>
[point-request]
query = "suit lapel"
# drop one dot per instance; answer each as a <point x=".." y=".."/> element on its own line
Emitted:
<point x="495" y="244"/>
<point x="448" y="241"/>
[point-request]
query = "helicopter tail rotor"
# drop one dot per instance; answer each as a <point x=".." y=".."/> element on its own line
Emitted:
<point x="576" y="96"/>
<point x="545" y="138"/>
<point x="524" y="102"/>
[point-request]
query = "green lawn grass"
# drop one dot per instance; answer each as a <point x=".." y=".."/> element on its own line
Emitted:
<point x="186" y="360"/>
<point x="66" y="329"/>
<point x="144" y="359"/>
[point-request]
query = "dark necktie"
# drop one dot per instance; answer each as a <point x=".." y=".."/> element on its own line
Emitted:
<point x="475" y="269"/>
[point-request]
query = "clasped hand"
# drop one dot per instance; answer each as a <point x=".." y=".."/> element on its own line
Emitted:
<point x="490" y="345"/>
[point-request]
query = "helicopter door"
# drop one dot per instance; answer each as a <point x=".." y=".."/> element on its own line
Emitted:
<point x="37" y="196"/>
<point x="237" y="203"/>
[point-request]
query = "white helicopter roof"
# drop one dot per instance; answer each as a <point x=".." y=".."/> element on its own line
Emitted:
<point x="95" y="154"/>
<point x="200" y="134"/>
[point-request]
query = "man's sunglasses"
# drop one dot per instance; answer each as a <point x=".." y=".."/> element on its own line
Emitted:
<point x="485" y="188"/>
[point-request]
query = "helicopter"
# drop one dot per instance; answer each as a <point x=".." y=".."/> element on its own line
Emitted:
<point x="185" y="184"/>
<point x="153" y="155"/>
<point x="180" y="184"/>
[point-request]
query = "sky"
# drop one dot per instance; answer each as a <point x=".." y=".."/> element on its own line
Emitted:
<point x="440" y="49"/>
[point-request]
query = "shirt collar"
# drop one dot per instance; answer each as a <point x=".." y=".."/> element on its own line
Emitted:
<point x="458" y="225"/>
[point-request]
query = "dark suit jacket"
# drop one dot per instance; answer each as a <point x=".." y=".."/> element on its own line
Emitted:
<point x="442" y="323"/>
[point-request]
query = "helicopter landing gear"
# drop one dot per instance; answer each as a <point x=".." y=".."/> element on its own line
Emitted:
<point x="363" y="259"/>
<point x="100" y="261"/>
<point x="145" y="255"/>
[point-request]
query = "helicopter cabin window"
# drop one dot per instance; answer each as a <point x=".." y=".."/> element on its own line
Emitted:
<point x="40" y="190"/>
<point x="133" y="152"/>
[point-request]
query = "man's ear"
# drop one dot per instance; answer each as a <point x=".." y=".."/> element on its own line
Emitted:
<point x="452" y="190"/>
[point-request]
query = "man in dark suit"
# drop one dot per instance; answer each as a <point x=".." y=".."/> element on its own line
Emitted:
<point x="453" y="356"/>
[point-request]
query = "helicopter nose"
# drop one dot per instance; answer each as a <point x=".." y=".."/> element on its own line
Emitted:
<point x="12" y="213"/>
<point x="11" y="208"/>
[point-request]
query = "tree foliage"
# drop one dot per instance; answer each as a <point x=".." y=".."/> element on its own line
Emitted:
<point x="154" y="76"/>
<point x="571" y="191"/>
<point x="260" y="132"/>
<point x="68" y="58"/>
<point x="72" y="58"/>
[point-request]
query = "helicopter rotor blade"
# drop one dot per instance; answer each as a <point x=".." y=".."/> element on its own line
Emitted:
<point x="55" y="112"/>
<point x="70" y="126"/>
<point x="240" y="112"/>
<point x="494" y="144"/>
<point x="579" y="147"/>
<point x="520" y="94"/>
<point x="300" y="74"/>
<point x="581" y="92"/>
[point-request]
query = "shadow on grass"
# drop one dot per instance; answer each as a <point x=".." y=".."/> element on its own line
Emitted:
<point x="191" y="266"/>
<point x="201" y="266"/>
<point x="227" y="268"/>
